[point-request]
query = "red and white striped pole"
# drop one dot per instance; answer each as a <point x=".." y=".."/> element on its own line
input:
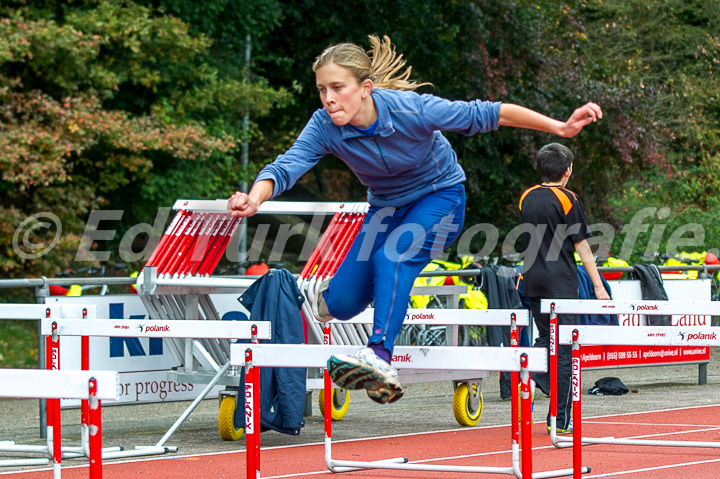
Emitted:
<point x="514" y="380"/>
<point x="526" y="407"/>
<point x="95" y="430"/>
<point x="53" y="405"/>
<point x="553" y="365"/>
<point x="577" y="406"/>
<point x="327" y="384"/>
<point x="253" y="468"/>
<point x="85" y="366"/>
<point x="252" y="411"/>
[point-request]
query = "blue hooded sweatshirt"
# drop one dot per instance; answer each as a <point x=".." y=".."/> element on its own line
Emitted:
<point x="406" y="158"/>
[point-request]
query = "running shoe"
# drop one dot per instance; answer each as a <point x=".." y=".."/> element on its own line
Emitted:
<point x="319" y="306"/>
<point x="365" y="370"/>
<point x="560" y="431"/>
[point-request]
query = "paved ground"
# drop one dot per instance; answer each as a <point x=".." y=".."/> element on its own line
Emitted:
<point x="426" y="406"/>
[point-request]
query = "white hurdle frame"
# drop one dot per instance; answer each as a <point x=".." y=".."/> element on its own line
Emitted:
<point x="93" y="386"/>
<point x="511" y="359"/>
<point x="21" y="311"/>
<point x="578" y="335"/>
<point x="459" y="317"/>
<point x="198" y="329"/>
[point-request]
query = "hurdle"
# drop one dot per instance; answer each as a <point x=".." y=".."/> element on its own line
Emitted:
<point x="52" y="406"/>
<point x="461" y="317"/>
<point x="578" y="335"/>
<point x="435" y="317"/>
<point x="93" y="386"/>
<point x="199" y="329"/>
<point x="521" y="360"/>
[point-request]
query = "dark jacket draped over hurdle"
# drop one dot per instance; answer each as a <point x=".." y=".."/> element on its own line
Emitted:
<point x="651" y="286"/>
<point x="586" y="290"/>
<point x="275" y="297"/>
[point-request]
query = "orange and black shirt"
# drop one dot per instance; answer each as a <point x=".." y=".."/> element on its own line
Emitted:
<point x="553" y="220"/>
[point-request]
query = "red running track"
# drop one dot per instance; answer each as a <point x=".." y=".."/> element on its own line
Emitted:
<point x="479" y="446"/>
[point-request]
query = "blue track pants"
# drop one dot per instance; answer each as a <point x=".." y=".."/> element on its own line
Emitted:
<point x="392" y="247"/>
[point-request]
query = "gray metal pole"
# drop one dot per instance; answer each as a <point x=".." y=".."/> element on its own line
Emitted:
<point x="41" y="293"/>
<point x="245" y="153"/>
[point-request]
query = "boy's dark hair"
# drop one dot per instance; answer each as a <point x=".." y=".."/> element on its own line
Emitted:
<point x="553" y="160"/>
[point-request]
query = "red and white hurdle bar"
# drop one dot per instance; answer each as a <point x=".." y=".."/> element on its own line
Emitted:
<point x="635" y="336"/>
<point x="522" y="360"/>
<point x="55" y="328"/>
<point x="93" y="386"/>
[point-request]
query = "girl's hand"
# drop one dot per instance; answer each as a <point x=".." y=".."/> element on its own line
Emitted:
<point x="600" y="293"/>
<point x="581" y="117"/>
<point x="240" y="204"/>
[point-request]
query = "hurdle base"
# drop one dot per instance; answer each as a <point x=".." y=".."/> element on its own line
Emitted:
<point x="140" y="451"/>
<point x="544" y="474"/>
<point x="23" y="462"/>
<point x="586" y="441"/>
<point x="334" y="465"/>
<point x="167" y="448"/>
<point x="346" y="466"/>
<point x="68" y="452"/>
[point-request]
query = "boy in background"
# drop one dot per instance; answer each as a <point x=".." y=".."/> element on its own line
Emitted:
<point x="556" y="229"/>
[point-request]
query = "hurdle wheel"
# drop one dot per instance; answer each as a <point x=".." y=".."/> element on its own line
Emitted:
<point x="339" y="404"/>
<point x="465" y="414"/>
<point x="226" y="420"/>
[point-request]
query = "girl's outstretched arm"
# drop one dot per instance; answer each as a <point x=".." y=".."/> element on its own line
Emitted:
<point x="521" y="117"/>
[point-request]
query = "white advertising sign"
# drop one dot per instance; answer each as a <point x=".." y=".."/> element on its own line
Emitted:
<point x="676" y="289"/>
<point x="143" y="363"/>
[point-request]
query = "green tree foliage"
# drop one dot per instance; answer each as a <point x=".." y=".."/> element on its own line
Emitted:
<point x="650" y="65"/>
<point x="666" y="56"/>
<point x="105" y="101"/>
<point x="518" y="51"/>
<point x="102" y="102"/>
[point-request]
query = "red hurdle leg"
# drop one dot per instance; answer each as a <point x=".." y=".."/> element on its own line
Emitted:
<point x="85" y="366"/>
<point x="526" y="405"/>
<point x="514" y="379"/>
<point x="307" y="269"/>
<point x="166" y="238"/>
<point x="95" y="430"/>
<point x="53" y="405"/>
<point x="252" y="411"/>
<point x="577" y="407"/>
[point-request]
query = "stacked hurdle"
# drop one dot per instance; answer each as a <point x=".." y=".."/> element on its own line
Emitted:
<point x="190" y="249"/>
<point x="193" y="244"/>
<point x="324" y="263"/>
<point x="176" y="281"/>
